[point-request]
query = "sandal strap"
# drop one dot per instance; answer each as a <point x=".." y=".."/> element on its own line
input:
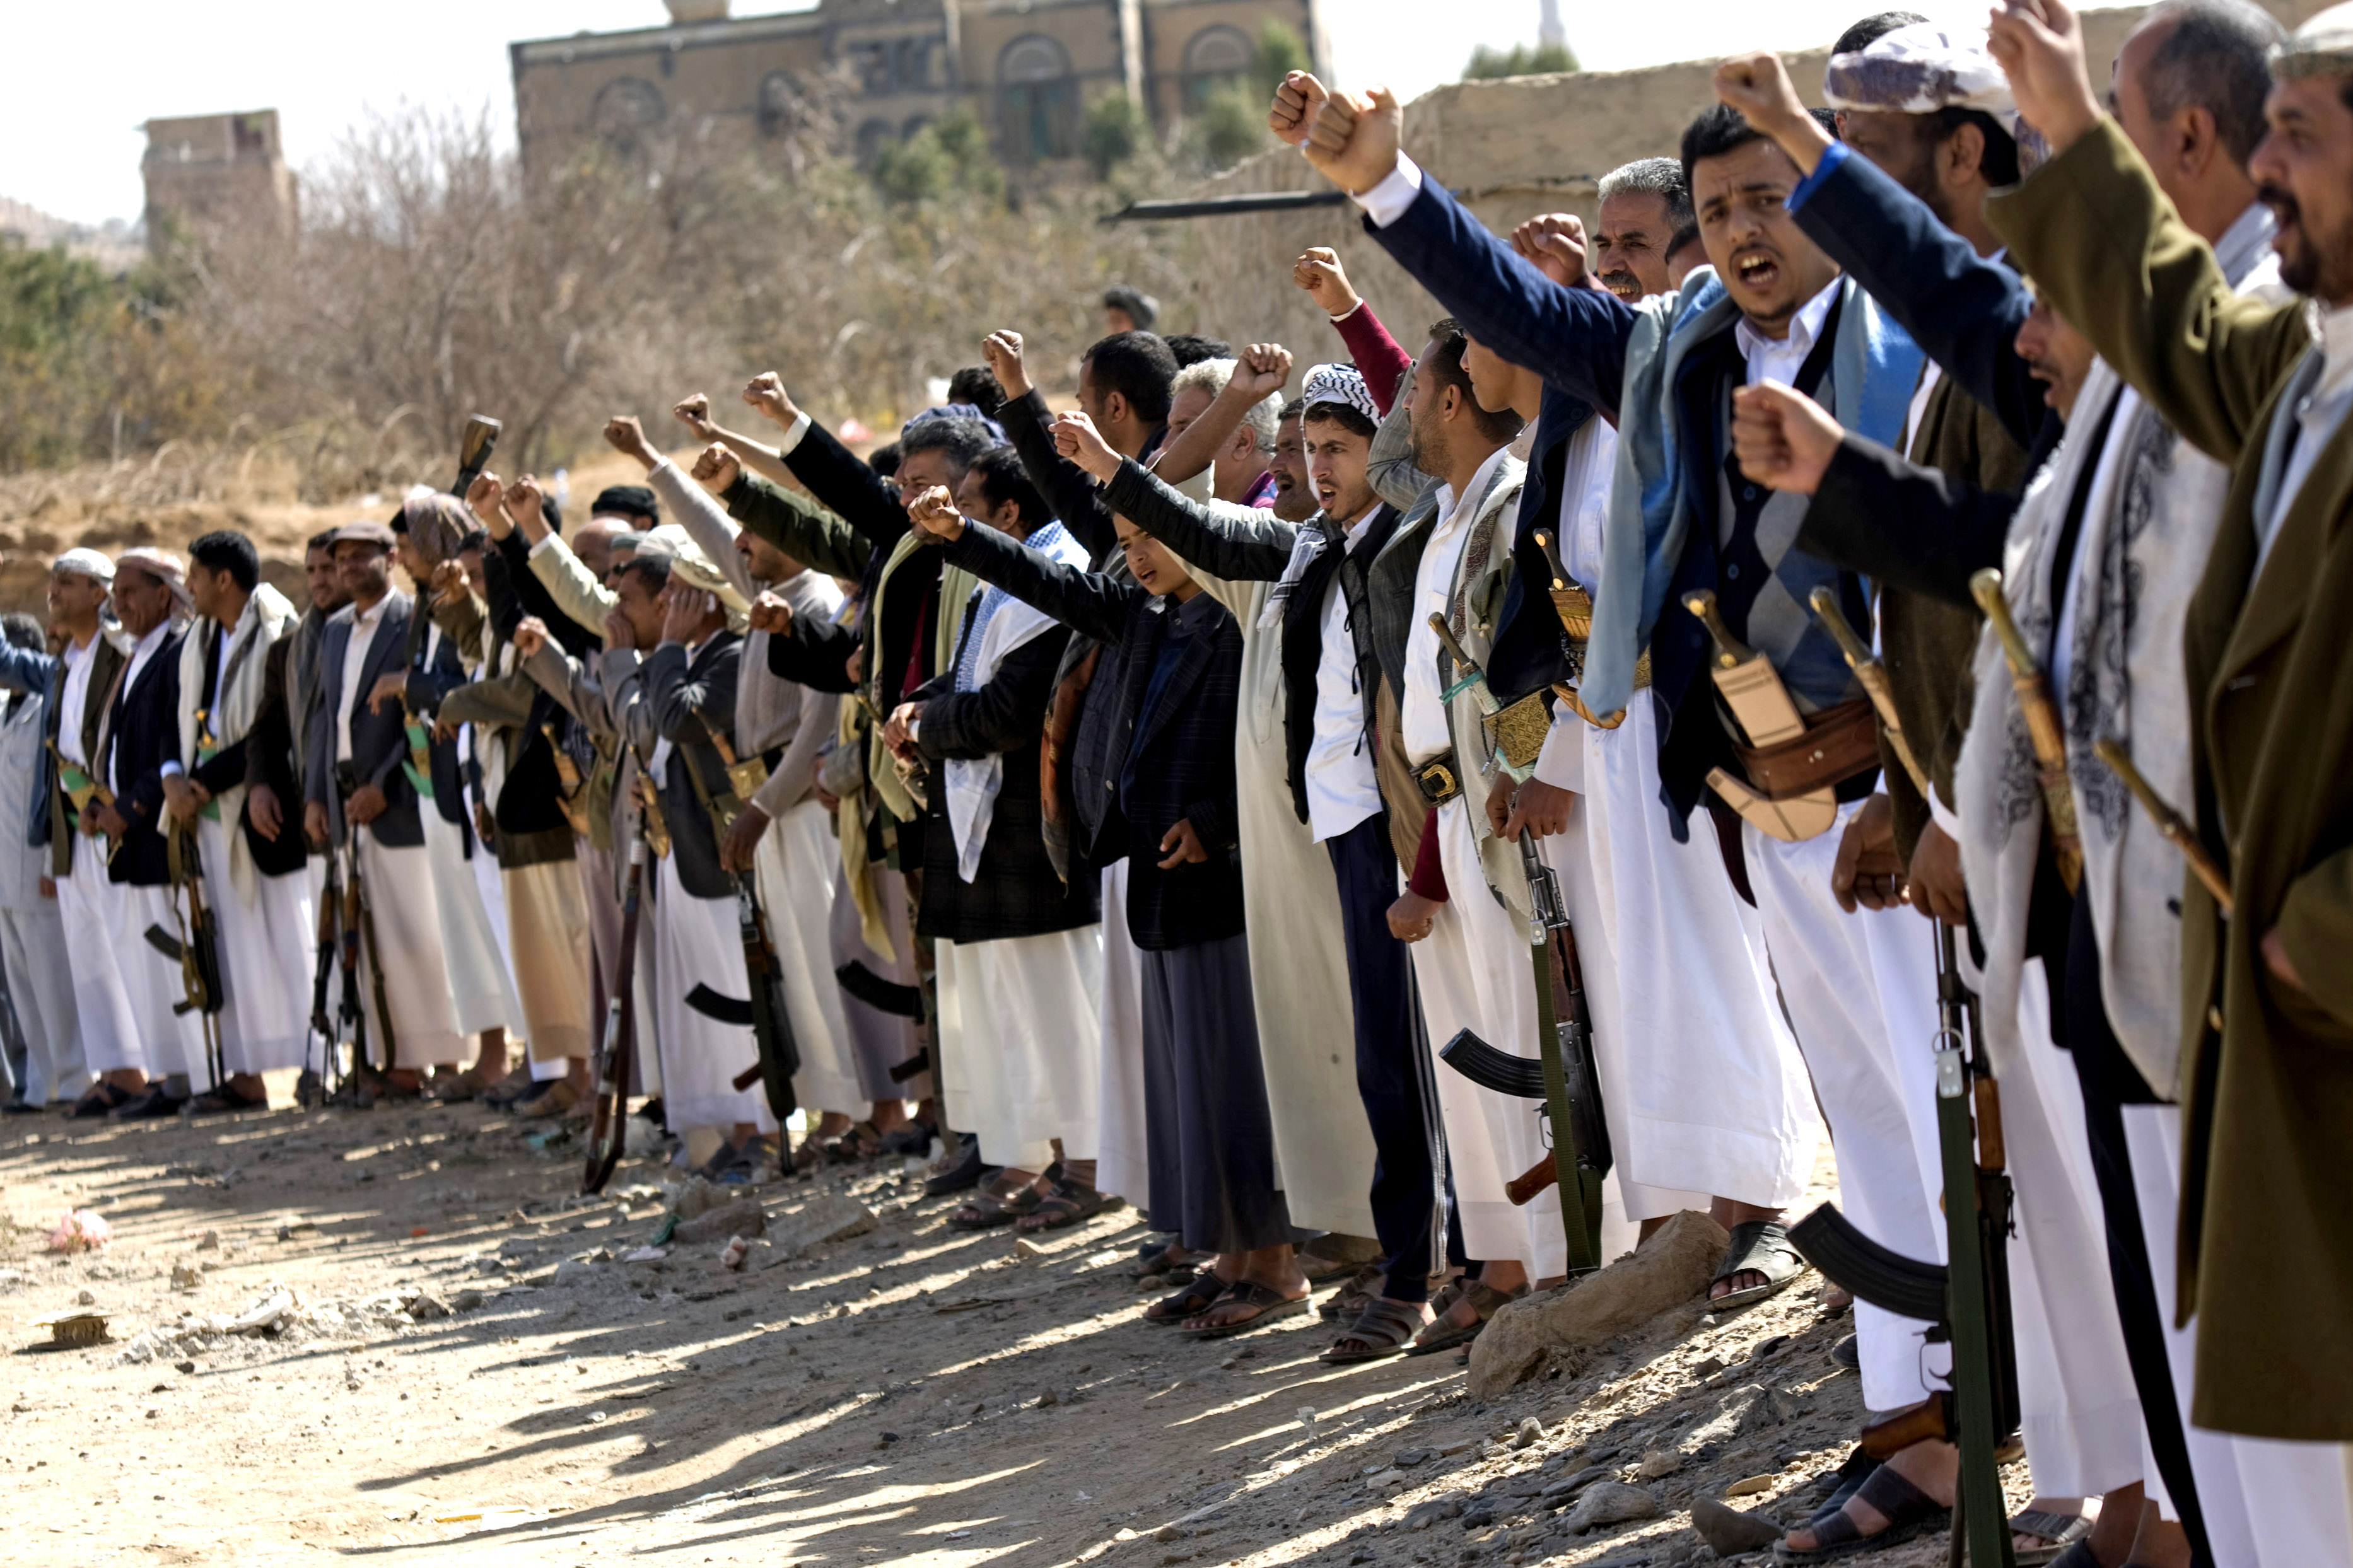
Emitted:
<point x="1250" y="1293"/>
<point x="1205" y="1288"/>
<point x="1486" y="1301"/>
<point x="1894" y="1497"/>
<point x="1761" y="1247"/>
<point x="2047" y="1524"/>
<point x="1384" y="1322"/>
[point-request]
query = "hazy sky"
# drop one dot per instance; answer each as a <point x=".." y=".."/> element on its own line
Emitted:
<point x="87" y="78"/>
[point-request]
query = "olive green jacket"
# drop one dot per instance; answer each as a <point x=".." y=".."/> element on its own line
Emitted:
<point x="2266" y="1249"/>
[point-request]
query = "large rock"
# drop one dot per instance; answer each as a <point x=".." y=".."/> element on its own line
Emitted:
<point x="1665" y="1272"/>
<point x="1611" y="1502"/>
<point x="743" y="1218"/>
<point x="1730" y="1531"/>
<point x="816" y="1222"/>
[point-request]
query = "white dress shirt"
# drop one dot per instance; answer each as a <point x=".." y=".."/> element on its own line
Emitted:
<point x="355" y="657"/>
<point x="1779" y="360"/>
<point x="1342" y="791"/>
<point x="1421" y="706"/>
<point x="140" y="657"/>
<point x="74" y="701"/>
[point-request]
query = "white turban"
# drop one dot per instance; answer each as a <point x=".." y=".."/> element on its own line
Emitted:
<point x="2322" y="46"/>
<point x="162" y="565"/>
<point x="84" y="562"/>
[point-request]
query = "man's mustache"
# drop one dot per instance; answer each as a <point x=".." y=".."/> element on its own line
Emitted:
<point x="2283" y="205"/>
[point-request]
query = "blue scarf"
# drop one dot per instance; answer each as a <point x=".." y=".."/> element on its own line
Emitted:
<point x="1874" y="365"/>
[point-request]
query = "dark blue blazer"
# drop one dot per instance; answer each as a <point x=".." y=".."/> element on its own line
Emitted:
<point x="1963" y="310"/>
<point x="379" y="740"/>
<point x="1528" y="654"/>
<point x="1575" y="339"/>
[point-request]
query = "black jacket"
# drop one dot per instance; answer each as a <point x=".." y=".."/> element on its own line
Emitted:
<point x="143" y="731"/>
<point x="1178" y="767"/>
<point x="687" y="701"/>
<point x="1243" y="550"/>
<point x="264" y="755"/>
<point x="379" y="740"/>
<point x="1016" y="891"/>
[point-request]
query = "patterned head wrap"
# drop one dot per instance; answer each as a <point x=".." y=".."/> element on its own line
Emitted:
<point x="2322" y="46"/>
<point x="437" y="523"/>
<point x="84" y="562"/>
<point x="1338" y="383"/>
<point x="954" y="411"/>
<point x="161" y="565"/>
<point x="689" y="565"/>
<point x="1925" y="66"/>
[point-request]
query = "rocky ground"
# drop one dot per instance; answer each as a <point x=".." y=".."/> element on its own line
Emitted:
<point x="397" y="1336"/>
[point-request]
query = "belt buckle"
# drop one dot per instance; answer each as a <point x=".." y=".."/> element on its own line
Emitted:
<point x="1438" y="780"/>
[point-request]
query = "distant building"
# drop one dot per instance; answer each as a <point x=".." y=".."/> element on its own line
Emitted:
<point x="1026" y="69"/>
<point x="210" y="172"/>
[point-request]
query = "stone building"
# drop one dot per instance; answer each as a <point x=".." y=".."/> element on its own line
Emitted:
<point x="207" y="171"/>
<point x="1026" y="69"/>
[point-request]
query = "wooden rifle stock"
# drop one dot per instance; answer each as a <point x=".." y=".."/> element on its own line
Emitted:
<point x="2044" y="729"/>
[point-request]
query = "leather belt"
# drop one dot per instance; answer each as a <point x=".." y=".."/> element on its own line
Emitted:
<point x="1838" y="743"/>
<point x="1438" y="779"/>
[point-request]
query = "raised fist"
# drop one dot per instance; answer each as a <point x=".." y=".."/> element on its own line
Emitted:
<point x="1002" y="350"/>
<point x="1260" y="369"/>
<point x="716" y="467"/>
<point x="530" y="636"/>
<point x="1555" y="245"/>
<point x="1294" y="106"/>
<point x="626" y="436"/>
<point x="933" y="511"/>
<point x="765" y="392"/>
<point x="1354" y="138"/>
<point x="2040" y="44"/>
<point x="1075" y="438"/>
<point x="1318" y="271"/>
<point x="1784" y="439"/>
<point x="694" y="413"/>
<point x="771" y="614"/>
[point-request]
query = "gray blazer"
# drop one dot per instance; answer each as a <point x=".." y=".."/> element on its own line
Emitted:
<point x="379" y="742"/>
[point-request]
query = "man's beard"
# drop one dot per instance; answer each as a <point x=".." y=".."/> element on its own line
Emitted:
<point x="2298" y="268"/>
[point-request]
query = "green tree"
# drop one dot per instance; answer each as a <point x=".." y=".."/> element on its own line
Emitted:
<point x="1113" y="132"/>
<point x="951" y="154"/>
<point x="1494" y="65"/>
<point x="1231" y="126"/>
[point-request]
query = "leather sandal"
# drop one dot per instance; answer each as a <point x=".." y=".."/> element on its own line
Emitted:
<point x="2059" y="1531"/>
<point x="1758" y="1246"/>
<point x="1188" y="1301"/>
<point x="1382" y="1329"/>
<point x="1268" y="1304"/>
<point x="1909" y="1512"/>
<point x="1484" y="1300"/>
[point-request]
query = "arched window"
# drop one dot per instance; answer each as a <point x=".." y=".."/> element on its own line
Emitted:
<point x="624" y="108"/>
<point x="1037" y="100"/>
<point x="914" y="122"/>
<point x="1215" y="57"/>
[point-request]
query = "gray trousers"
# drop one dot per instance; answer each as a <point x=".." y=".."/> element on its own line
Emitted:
<point x="1212" y="1141"/>
<point x="40" y="990"/>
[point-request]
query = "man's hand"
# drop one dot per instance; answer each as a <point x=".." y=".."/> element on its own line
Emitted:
<point x="1318" y="271"/>
<point x="485" y="498"/>
<point x="1554" y="244"/>
<point x="2041" y="44"/>
<point x="367" y="804"/>
<point x="262" y="810"/>
<point x="1293" y="113"/>
<point x="448" y="583"/>
<point x="1182" y="846"/>
<point x="1757" y="85"/>
<point x="934" y="512"/>
<point x="2275" y="958"/>
<point x="818" y="792"/>
<point x="765" y="392"/>
<point x="1354" y="141"/>
<point x="694" y="413"/>
<point x="1075" y="438"/>
<point x="684" y="609"/>
<point x="1540" y="809"/>
<point x="524" y="501"/>
<point x="49" y="886"/>
<point x="1002" y="350"/>
<point x="1868" y="871"/>
<point x="530" y="636"/>
<point x="1784" y="439"/>
<point x="895" y="739"/>
<point x="626" y="436"/>
<point x="389" y="687"/>
<point x="716" y="470"/>
<point x="771" y="614"/>
<point x="1936" y="886"/>
<point x="1412" y="915"/>
<point x="180" y="797"/>
<point x="620" y="632"/>
<point x="743" y="840"/>
<point x="1259" y="370"/>
<point x="314" y="823"/>
<point x="102" y="818"/>
<point x="854" y="666"/>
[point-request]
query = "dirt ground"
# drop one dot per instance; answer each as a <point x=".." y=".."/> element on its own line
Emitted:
<point x="471" y="1371"/>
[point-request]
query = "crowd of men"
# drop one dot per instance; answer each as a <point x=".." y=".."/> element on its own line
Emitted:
<point x="1146" y="793"/>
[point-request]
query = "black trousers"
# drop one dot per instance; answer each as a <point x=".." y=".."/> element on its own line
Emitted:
<point x="2060" y="932"/>
<point x="1392" y="1059"/>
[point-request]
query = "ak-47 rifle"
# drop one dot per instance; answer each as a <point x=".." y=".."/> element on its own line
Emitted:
<point x="196" y="949"/>
<point x="322" y="970"/>
<point x="359" y="930"/>
<point x="2043" y="730"/>
<point x="1572" y="1085"/>
<point x="1969" y="1302"/>
<point x="608" y="1120"/>
<point x="772" y="1026"/>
